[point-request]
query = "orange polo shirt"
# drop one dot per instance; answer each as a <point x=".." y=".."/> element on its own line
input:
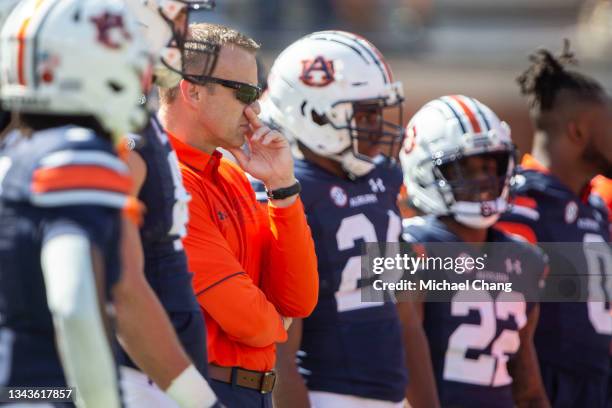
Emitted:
<point x="251" y="265"/>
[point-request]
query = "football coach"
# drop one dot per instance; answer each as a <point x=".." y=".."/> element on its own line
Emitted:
<point x="254" y="268"/>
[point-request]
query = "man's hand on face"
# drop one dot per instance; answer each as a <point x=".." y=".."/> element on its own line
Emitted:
<point x="270" y="158"/>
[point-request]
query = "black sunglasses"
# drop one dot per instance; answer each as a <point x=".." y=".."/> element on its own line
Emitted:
<point x="245" y="93"/>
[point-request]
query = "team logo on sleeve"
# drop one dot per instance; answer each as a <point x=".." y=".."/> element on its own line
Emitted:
<point x="571" y="212"/>
<point x="338" y="196"/>
<point x="318" y="72"/>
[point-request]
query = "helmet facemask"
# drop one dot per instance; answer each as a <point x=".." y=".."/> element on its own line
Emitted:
<point x="374" y="127"/>
<point x="475" y="187"/>
<point x="171" y="42"/>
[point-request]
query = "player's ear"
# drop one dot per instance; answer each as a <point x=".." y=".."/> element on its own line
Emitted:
<point x="577" y="132"/>
<point x="190" y="92"/>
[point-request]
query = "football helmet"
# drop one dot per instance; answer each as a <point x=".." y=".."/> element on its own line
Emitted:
<point x="5" y="9"/>
<point x="332" y="91"/>
<point x="440" y="138"/>
<point x="75" y="57"/>
<point x="164" y="24"/>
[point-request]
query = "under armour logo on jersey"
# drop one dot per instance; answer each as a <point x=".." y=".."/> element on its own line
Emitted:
<point x="377" y="185"/>
<point x="513" y="266"/>
<point x="106" y="25"/>
<point x="318" y="72"/>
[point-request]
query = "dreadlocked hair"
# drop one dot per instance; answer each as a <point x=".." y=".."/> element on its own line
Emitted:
<point x="547" y="75"/>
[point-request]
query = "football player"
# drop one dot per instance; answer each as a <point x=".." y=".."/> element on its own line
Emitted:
<point x="62" y="188"/>
<point x="156" y="248"/>
<point x="571" y="113"/>
<point x="457" y="160"/>
<point x="334" y="94"/>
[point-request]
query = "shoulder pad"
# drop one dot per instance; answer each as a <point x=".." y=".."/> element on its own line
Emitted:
<point x="528" y="180"/>
<point x="64" y="167"/>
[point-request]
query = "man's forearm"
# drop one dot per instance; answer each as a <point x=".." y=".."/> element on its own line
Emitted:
<point x="153" y="345"/>
<point x="291" y="281"/>
<point x="242" y="310"/>
<point x="527" y="388"/>
<point x="290" y="390"/>
<point x="421" y="391"/>
<point x="150" y="342"/>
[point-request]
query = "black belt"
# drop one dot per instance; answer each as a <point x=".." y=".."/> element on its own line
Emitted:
<point x="262" y="381"/>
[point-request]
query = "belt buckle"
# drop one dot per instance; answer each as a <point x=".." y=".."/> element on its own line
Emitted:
<point x="267" y="382"/>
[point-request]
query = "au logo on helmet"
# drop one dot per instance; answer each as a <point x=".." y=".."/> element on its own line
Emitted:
<point x="318" y="72"/>
<point x="410" y="140"/>
<point x="105" y="24"/>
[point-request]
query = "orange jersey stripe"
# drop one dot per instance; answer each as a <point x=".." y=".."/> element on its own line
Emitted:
<point x="517" y="228"/>
<point x="468" y="112"/>
<point x="525" y="202"/>
<point x="80" y="177"/>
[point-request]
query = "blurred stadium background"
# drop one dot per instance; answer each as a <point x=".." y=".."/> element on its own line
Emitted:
<point x="436" y="47"/>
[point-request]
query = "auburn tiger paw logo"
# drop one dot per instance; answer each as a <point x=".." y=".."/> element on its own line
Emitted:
<point x="111" y="30"/>
<point x="410" y="140"/>
<point x="317" y="72"/>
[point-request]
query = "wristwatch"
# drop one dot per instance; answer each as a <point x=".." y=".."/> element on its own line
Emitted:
<point x="281" y="193"/>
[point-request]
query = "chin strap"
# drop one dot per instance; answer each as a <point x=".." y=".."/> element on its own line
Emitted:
<point x="352" y="165"/>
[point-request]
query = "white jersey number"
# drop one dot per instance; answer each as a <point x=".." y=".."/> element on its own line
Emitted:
<point x="180" y="211"/>
<point x="599" y="264"/>
<point x="353" y="228"/>
<point x="488" y="369"/>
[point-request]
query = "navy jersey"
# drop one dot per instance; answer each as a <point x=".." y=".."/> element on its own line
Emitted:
<point x="349" y="346"/>
<point x="472" y="337"/>
<point x="58" y="181"/>
<point x="571" y="335"/>
<point x="166" y="216"/>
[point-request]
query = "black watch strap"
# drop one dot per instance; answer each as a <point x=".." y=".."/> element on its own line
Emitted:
<point x="281" y="193"/>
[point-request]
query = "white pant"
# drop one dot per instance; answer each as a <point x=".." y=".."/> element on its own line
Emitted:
<point x="321" y="399"/>
<point x="139" y="392"/>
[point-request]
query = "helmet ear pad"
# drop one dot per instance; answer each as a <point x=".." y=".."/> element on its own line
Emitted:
<point x="316" y="88"/>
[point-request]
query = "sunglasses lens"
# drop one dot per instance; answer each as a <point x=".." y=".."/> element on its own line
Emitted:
<point x="247" y="94"/>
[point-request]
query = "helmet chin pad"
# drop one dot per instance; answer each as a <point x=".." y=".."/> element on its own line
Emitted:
<point x="478" y="215"/>
<point x="355" y="165"/>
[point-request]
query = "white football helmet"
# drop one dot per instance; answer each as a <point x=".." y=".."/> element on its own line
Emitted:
<point x="438" y="137"/>
<point x="319" y="84"/>
<point x="75" y="57"/>
<point x="164" y="24"/>
<point x="6" y="6"/>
